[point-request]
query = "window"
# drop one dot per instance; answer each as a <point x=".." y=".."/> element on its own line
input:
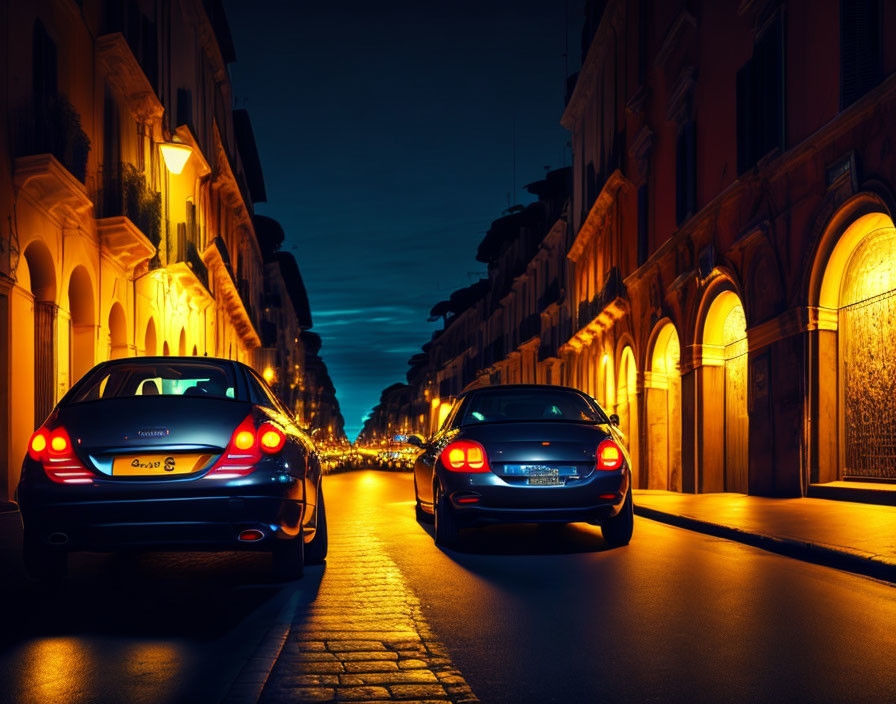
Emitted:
<point x="130" y="379"/>
<point x="45" y="63"/>
<point x="760" y="97"/>
<point x="643" y="214"/>
<point x="261" y="395"/>
<point x="521" y="405"/>
<point x="860" y="49"/>
<point x="686" y="172"/>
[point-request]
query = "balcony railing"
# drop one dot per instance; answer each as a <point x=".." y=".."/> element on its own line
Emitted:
<point x="184" y="248"/>
<point x="125" y="192"/>
<point x="51" y="125"/>
<point x="613" y="288"/>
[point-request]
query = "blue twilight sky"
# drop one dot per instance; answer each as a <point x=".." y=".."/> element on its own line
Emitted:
<point x="386" y="132"/>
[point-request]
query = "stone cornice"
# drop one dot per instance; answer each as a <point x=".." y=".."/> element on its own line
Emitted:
<point x="125" y="73"/>
<point x="598" y="213"/>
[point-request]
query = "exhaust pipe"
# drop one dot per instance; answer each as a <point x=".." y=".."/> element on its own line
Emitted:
<point x="57" y="539"/>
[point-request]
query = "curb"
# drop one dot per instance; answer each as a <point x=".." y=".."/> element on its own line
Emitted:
<point x="788" y="547"/>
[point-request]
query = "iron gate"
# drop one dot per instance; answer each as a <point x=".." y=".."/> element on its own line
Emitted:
<point x="868" y="374"/>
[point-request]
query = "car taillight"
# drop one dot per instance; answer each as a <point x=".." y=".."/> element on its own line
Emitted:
<point x="465" y="456"/>
<point x="245" y="449"/>
<point x="609" y="455"/>
<point x="53" y="449"/>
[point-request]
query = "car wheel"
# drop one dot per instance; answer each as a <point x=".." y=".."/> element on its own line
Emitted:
<point x="288" y="557"/>
<point x="447" y="531"/>
<point x="617" y="531"/>
<point x="422" y="516"/>
<point x="43" y="563"/>
<point x="316" y="550"/>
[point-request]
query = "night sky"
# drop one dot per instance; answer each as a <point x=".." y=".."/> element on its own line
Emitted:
<point x="386" y="132"/>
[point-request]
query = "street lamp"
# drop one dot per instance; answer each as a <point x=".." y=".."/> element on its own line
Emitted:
<point x="175" y="155"/>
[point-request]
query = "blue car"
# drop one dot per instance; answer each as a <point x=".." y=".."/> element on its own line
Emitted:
<point x="171" y="453"/>
<point x="524" y="454"/>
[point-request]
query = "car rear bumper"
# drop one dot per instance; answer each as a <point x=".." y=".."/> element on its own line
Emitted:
<point x="194" y="523"/>
<point x="488" y="498"/>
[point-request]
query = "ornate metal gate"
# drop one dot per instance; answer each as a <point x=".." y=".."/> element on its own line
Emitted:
<point x="868" y="376"/>
<point x="44" y="359"/>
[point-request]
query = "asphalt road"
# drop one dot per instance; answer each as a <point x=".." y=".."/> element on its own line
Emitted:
<point x="526" y="615"/>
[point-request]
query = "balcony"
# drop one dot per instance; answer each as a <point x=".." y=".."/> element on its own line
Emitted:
<point x="126" y="194"/>
<point x="230" y="293"/>
<point x="51" y="186"/>
<point x="601" y="311"/>
<point x="185" y="264"/>
<point x="123" y="242"/>
<point x="550" y="296"/>
<point x="126" y="72"/>
<point x="51" y="126"/>
<point x="529" y="329"/>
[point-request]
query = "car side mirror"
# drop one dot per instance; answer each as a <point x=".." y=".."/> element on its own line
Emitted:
<point x="614" y="419"/>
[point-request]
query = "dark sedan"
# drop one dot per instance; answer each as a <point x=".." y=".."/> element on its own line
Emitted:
<point x="525" y="454"/>
<point x="171" y="453"/>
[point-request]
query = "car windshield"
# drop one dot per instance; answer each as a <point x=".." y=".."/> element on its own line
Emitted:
<point x="508" y="405"/>
<point x="157" y="379"/>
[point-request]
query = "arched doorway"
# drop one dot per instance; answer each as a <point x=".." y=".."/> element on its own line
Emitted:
<point x="725" y="395"/>
<point x="41" y="281"/>
<point x="195" y="351"/>
<point x="150" y="342"/>
<point x="606" y="386"/>
<point x="663" y="399"/>
<point x="627" y="406"/>
<point x="81" y="307"/>
<point x="118" y="332"/>
<point x="166" y="350"/>
<point x="182" y="343"/>
<point x="860" y="284"/>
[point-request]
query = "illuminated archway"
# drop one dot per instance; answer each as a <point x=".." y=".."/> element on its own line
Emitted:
<point x="150" y="342"/>
<point x="724" y="390"/>
<point x="118" y="332"/>
<point x="858" y="296"/>
<point x="81" y="307"/>
<point x="37" y="273"/>
<point x="166" y="350"/>
<point x="663" y="400"/>
<point x="182" y="343"/>
<point x="606" y="385"/>
<point x="195" y="351"/>
<point x="627" y="406"/>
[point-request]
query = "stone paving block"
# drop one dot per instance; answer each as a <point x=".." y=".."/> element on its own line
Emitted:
<point x="338" y="646"/>
<point x="361" y="693"/>
<point x="412" y="664"/>
<point x="316" y="668"/>
<point x="371" y="666"/>
<point x="310" y="645"/>
<point x="400" y="677"/>
<point x="313" y="694"/>
<point x="310" y="681"/>
<point x="418" y="691"/>
<point x="367" y="655"/>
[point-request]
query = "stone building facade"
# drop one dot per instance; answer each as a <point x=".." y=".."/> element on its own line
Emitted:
<point x="730" y="255"/>
<point x="127" y="192"/>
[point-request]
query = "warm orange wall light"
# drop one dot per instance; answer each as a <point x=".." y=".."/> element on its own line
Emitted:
<point x="175" y="155"/>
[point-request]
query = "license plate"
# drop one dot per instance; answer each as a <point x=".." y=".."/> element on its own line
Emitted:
<point x="154" y="465"/>
<point x="544" y="476"/>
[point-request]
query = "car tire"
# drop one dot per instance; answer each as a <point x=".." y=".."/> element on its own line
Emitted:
<point x="617" y="531"/>
<point x="419" y="512"/>
<point x="288" y="558"/>
<point x="447" y="532"/>
<point x="42" y="562"/>
<point x="316" y="550"/>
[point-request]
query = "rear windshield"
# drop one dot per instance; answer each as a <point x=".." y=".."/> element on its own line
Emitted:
<point x="506" y="405"/>
<point x="157" y="379"/>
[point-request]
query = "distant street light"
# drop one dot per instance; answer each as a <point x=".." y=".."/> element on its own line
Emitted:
<point x="175" y="155"/>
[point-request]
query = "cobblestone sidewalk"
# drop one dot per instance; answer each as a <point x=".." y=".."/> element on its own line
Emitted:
<point x="364" y="637"/>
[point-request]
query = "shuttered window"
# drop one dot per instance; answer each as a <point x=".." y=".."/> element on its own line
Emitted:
<point x="860" y="49"/>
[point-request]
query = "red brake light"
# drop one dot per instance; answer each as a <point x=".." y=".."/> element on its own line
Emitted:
<point x="465" y="456"/>
<point x="246" y="447"/>
<point x="609" y="455"/>
<point x="53" y="449"/>
<point x="271" y="438"/>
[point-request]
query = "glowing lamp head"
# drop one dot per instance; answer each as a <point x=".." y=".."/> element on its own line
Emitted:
<point x="175" y="155"/>
<point x="268" y="374"/>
